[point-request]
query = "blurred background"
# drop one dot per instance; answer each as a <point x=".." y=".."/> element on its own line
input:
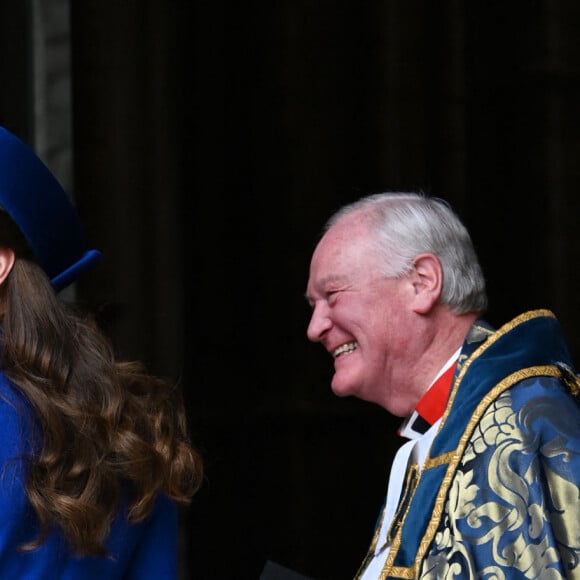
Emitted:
<point x="205" y="144"/>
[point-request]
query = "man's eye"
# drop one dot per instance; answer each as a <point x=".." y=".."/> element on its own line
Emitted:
<point x="331" y="295"/>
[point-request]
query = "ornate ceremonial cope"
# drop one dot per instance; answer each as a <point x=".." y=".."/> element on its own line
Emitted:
<point x="498" y="496"/>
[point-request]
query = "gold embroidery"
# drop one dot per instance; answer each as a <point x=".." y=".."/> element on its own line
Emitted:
<point x="516" y="525"/>
<point x="475" y="418"/>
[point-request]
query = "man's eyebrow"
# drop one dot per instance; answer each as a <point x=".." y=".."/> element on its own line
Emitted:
<point x="332" y="278"/>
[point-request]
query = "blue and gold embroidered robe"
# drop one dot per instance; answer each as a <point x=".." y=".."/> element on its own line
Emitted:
<point x="499" y="494"/>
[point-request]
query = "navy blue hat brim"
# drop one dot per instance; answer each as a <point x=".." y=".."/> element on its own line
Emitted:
<point x="64" y="279"/>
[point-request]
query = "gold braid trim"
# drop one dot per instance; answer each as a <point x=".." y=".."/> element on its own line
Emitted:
<point x="398" y="572"/>
<point x="442" y="459"/>
<point x="525" y="317"/>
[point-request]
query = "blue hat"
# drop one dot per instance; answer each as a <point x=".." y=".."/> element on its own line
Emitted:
<point x="43" y="211"/>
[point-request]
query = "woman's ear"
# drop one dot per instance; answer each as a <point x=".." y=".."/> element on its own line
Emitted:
<point x="427" y="276"/>
<point x="7" y="258"/>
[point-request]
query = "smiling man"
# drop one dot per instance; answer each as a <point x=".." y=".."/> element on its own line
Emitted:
<point x="486" y="483"/>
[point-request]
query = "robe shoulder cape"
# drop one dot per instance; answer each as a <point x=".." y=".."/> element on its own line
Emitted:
<point x="499" y="494"/>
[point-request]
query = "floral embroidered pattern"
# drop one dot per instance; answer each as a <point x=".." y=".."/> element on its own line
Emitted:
<point x="513" y="508"/>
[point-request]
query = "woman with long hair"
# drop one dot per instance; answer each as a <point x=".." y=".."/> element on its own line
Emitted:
<point x="94" y="453"/>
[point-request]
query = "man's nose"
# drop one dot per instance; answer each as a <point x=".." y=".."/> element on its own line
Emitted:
<point x="319" y="323"/>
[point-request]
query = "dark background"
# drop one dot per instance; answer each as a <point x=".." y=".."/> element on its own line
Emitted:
<point x="212" y="141"/>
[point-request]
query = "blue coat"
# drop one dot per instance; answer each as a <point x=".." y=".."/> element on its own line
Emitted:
<point x="142" y="551"/>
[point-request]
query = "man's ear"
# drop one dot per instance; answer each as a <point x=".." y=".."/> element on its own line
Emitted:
<point x="6" y="263"/>
<point x="427" y="280"/>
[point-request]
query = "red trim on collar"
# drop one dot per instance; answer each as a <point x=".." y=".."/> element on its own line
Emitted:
<point x="432" y="403"/>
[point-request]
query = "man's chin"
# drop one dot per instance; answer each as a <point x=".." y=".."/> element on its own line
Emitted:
<point x="343" y="389"/>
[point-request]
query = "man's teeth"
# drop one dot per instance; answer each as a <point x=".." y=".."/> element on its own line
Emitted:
<point x="345" y="348"/>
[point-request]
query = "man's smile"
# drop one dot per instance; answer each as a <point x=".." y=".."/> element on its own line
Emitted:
<point x="345" y="348"/>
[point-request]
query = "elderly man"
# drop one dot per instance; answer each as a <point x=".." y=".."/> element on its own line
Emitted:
<point x="487" y="484"/>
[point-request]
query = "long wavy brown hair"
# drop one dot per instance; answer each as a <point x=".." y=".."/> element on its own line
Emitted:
<point x="109" y="432"/>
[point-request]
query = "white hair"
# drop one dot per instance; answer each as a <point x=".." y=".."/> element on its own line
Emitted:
<point x="408" y="224"/>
